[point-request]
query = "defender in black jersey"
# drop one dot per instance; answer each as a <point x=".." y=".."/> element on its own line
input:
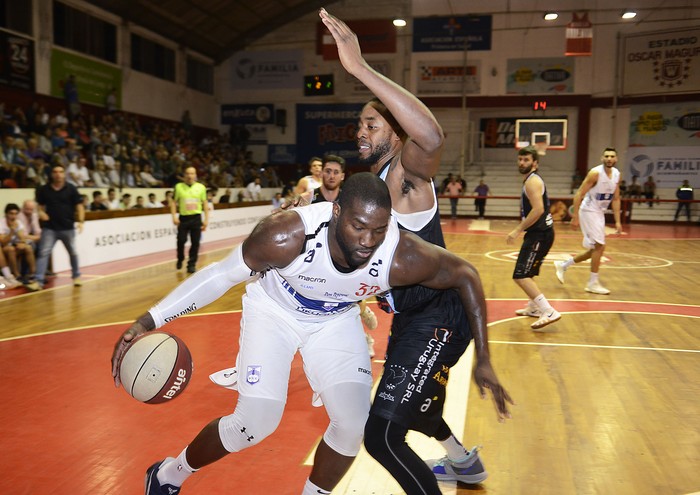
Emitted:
<point x="537" y="224"/>
<point x="400" y="139"/>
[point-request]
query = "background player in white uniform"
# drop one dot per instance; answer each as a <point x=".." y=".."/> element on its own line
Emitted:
<point x="599" y="189"/>
<point x="313" y="180"/>
<point x="313" y="263"/>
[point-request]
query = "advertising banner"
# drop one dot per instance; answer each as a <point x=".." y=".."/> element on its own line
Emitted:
<point x="16" y="61"/>
<point x="669" y="165"/>
<point x="118" y="238"/>
<point x="247" y="114"/>
<point x="499" y="132"/>
<point x="661" y="62"/>
<point x="448" y="78"/>
<point x="540" y="75"/>
<point x="374" y="36"/>
<point x="452" y="34"/>
<point x="665" y="124"/>
<point x="267" y="70"/>
<point x="94" y="79"/>
<point x="329" y="128"/>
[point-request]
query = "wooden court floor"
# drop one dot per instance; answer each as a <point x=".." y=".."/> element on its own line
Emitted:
<point x="607" y="398"/>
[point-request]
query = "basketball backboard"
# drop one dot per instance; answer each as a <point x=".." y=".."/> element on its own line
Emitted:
<point x="549" y="132"/>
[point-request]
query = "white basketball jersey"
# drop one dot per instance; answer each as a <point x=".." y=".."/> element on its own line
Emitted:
<point x="312" y="183"/>
<point x="598" y="197"/>
<point x="311" y="287"/>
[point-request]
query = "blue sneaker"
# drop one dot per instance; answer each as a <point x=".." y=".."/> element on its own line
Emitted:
<point x="153" y="486"/>
<point x="469" y="471"/>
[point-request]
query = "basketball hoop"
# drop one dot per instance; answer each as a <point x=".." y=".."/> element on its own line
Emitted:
<point x="541" y="148"/>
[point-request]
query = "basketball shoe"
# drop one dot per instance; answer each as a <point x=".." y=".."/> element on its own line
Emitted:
<point x="529" y="310"/>
<point x="470" y="470"/>
<point x="153" y="486"/>
<point x="596" y="288"/>
<point x="546" y="319"/>
<point x="560" y="270"/>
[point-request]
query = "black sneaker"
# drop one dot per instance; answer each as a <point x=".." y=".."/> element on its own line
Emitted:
<point x="153" y="486"/>
<point x="178" y="265"/>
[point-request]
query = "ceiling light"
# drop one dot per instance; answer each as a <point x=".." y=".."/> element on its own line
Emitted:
<point x="398" y="22"/>
<point x="550" y="16"/>
<point x="629" y="14"/>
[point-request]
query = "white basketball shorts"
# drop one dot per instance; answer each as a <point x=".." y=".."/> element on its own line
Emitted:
<point x="593" y="228"/>
<point x="333" y="351"/>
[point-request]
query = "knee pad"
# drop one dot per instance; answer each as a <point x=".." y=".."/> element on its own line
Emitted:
<point x="253" y="420"/>
<point x="347" y="405"/>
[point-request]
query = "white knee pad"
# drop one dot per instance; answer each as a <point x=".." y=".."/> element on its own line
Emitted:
<point x="347" y="405"/>
<point x="253" y="420"/>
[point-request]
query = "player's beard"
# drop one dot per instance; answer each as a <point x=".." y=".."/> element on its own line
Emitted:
<point x="349" y="255"/>
<point x="380" y="151"/>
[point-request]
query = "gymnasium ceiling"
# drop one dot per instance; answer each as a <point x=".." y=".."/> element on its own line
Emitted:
<point x="215" y="28"/>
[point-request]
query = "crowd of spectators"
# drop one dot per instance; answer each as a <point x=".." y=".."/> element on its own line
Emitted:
<point x="119" y="150"/>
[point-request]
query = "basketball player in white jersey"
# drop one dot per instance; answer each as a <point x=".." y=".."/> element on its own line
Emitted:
<point x="311" y="266"/>
<point x="313" y="180"/>
<point x="599" y="189"/>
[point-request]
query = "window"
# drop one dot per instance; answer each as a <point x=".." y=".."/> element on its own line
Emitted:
<point x="152" y="58"/>
<point x="83" y="33"/>
<point x="16" y="16"/>
<point x="200" y="76"/>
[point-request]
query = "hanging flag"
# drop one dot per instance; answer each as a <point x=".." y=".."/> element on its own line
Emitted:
<point x="579" y="36"/>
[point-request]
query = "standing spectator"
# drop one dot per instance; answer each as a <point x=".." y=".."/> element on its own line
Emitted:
<point x="481" y="191"/>
<point x="58" y="204"/>
<point x="13" y="240"/>
<point x="445" y="181"/>
<point x="599" y="189"/>
<point x="454" y="190"/>
<point x="684" y="193"/>
<point x="650" y="190"/>
<point x="189" y="200"/>
<point x="70" y="93"/>
<point x="111" y="100"/>
<point x="539" y="236"/>
<point x="635" y="190"/>
<point x="623" y="189"/>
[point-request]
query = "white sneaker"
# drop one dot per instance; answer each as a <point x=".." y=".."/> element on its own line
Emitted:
<point x="560" y="270"/>
<point x="12" y="283"/>
<point x="596" y="288"/>
<point x="370" y="344"/>
<point x="546" y="319"/>
<point x="528" y="310"/>
<point x="3" y="283"/>
<point x="369" y="318"/>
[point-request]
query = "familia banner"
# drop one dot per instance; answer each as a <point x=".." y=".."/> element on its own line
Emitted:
<point x="267" y="70"/>
<point x="669" y="165"/>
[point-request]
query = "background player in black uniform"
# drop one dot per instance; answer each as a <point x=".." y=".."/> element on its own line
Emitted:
<point x="537" y="224"/>
<point x="400" y="138"/>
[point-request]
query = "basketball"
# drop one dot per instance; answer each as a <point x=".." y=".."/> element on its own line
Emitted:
<point x="156" y="368"/>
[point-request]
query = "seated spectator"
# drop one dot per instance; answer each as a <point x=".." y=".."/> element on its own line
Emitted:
<point x="226" y="197"/>
<point x="168" y="198"/>
<point x="635" y="190"/>
<point x="13" y="239"/>
<point x="115" y="175"/>
<point x="125" y="202"/>
<point x="98" y="202"/>
<point x="78" y="174"/>
<point x="140" y="203"/>
<point x="113" y="202"/>
<point x="650" y="190"/>
<point x="623" y="189"/>
<point x="99" y="176"/>
<point x="7" y="279"/>
<point x="254" y="190"/>
<point x="30" y="219"/>
<point x="37" y="173"/>
<point x="152" y="202"/>
<point x="147" y="178"/>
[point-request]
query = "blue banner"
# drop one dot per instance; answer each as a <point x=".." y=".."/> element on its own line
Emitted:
<point x="328" y="128"/>
<point x="247" y="114"/>
<point x="452" y="34"/>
